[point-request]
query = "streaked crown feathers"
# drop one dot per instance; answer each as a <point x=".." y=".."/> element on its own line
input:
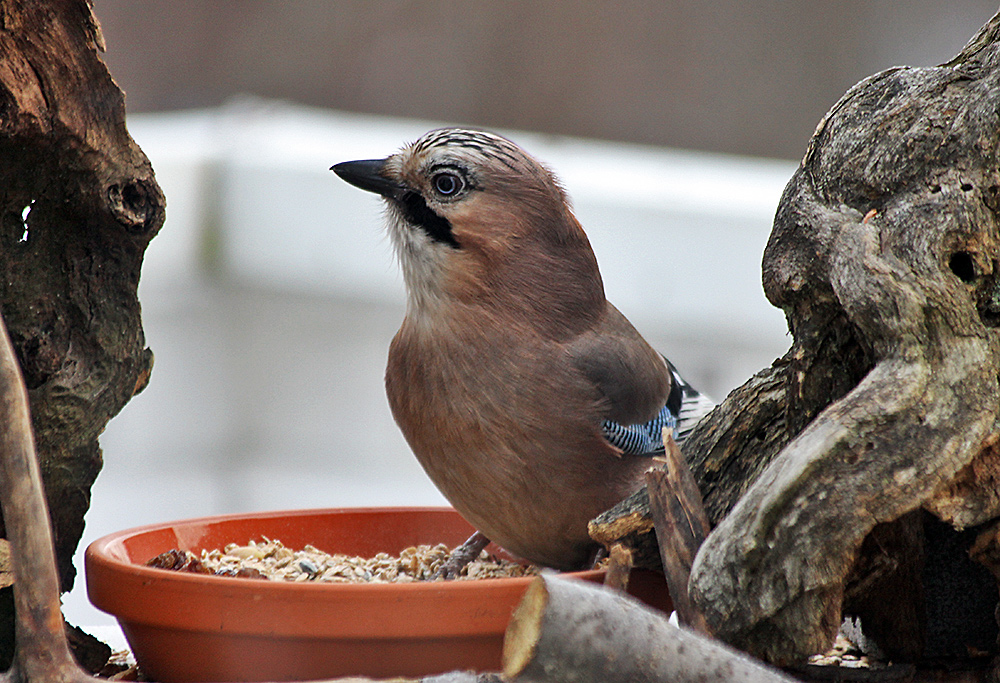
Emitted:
<point x="492" y="161"/>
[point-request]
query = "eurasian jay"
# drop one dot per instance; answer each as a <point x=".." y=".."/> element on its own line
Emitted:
<point x="529" y="400"/>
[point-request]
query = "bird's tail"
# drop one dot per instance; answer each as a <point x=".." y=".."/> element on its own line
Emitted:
<point x="687" y="403"/>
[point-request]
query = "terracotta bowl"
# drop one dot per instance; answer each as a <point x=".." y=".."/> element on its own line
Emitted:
<point x="194" y="627"/>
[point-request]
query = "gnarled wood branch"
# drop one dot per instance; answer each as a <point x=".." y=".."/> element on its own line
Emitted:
<point x="78" y="205"/>
<point x="889" y="226"/>
<point x="42" y="650"/>
<point x="565" y="630"/>
<point x="885" y="257"/>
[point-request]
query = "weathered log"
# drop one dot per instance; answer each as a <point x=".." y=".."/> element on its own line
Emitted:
<point x="885" y="258"/>
<point x="886" y="233"/>
<point x="681" y="527"/>
<point x="565" y="630"/>
<point x="78" y="205"/>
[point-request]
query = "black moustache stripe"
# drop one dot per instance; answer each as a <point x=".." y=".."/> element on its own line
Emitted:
<point x="416" y="212"/>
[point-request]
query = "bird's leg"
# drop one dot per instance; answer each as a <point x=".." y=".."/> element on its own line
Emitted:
<point x="599" y="555"/>
<point x="461" y="556"/>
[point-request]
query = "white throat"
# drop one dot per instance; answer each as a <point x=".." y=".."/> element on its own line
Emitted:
<point x="422" y="261"/>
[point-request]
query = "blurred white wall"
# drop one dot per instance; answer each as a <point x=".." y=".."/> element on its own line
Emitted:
<point x="271" y="295"/>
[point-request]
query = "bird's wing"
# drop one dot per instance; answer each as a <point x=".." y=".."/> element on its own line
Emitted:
<point x="631" y="378"/>
<point x="685" y="406"/>
<point x="642" y="391"/>
<point x="642" y="439"/>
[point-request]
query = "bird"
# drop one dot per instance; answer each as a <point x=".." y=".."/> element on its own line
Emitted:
<point x="531" y="402"/>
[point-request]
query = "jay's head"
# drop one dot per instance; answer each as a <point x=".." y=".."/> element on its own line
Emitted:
<point x="472" y="215"/>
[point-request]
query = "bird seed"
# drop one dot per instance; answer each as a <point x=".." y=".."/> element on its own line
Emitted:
<point x="270" y="559"/>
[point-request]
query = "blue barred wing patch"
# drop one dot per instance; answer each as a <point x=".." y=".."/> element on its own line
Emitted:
<point x="644" y="439"/>
<point x="684" y="409"/>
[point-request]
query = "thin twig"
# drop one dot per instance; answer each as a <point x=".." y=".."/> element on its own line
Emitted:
<point x="681" y="525"/>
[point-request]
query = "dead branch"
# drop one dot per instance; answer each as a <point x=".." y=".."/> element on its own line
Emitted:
<point x="42" y="652"/>
<point x="619" y="567"/>
<point x="886" y="232"/>
<point x="78" y="206"/>
<point x="884" y="259"/>
<point x="566" y="630"/>
<point x="681" y="527"/>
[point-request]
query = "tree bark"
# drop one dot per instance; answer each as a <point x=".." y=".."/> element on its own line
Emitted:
<point x="885" y="258"/>
<point x="619" y="567"/>
<point x="78" y="205"/>
<point x="681" y="527"/>
<point x="42" y="649"/>
<point x="569" y="631"/>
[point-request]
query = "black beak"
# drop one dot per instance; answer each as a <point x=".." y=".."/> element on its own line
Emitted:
<point x="367" y="175"/>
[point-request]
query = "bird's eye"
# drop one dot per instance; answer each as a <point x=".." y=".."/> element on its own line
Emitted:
<point x="448" y="184"/>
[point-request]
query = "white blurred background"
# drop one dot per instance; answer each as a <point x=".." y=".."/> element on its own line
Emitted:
<point x="271" y="294"/>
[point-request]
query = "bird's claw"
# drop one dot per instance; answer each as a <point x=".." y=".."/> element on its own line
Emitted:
<point x="460" y="557"/>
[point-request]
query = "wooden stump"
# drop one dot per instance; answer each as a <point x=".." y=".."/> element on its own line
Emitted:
<point x="885" y="258"/>
<point x="78" y="206"/>
<point x="571" y="631"/>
